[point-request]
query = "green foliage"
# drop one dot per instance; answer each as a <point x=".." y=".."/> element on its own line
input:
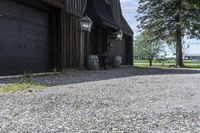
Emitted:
<point x="171" y="20"/>
<point x="146" y="48"/>
<point x="161" y="18"/>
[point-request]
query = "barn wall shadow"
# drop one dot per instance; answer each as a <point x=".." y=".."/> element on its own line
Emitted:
<point x="89" y="76"/>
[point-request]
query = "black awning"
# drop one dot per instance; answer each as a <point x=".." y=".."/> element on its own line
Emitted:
<point x="101" y="13"/>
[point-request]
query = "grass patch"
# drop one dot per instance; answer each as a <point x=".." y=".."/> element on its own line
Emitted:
<point x="13" y="87"/>
<point x="165" y="66"/>
<point x="154" y="61"/>
<point x="192" y="66"/>
<point x="167" y="61"/>
<point x="154" y="66"/>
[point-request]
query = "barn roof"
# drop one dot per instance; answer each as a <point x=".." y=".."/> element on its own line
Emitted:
<point x="55" y="3"/>
<point x="101" y="13"/>
<point x="125" y="27"/>
<point x="119" y="18"/>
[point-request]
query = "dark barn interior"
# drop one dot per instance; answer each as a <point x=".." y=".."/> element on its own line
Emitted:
<point x="44" y="35"/>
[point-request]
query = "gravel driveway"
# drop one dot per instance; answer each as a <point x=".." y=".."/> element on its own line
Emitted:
<point x="126" y="100"/>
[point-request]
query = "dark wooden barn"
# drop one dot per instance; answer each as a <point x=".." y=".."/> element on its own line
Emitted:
<point x="44" y="35"/>
<point x="108" y="18"/>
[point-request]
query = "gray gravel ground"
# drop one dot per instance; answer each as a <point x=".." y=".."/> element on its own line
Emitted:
<point x="126" y="100"/>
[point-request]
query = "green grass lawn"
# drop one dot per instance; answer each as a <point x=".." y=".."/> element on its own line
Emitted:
<point x="166" y="64"/>
<point x="13" y="87"/>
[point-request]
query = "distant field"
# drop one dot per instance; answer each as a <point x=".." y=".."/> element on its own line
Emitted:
<point x="166" y="63"/>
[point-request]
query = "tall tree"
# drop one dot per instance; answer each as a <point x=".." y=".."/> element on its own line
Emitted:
<point x="148" y="49"/>
<point x="185" y="48"/>
<point x="171" y="21"/>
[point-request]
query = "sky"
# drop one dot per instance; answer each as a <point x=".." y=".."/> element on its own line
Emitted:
<point x="129" y="9"/>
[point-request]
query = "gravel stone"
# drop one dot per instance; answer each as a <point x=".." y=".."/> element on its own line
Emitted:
<point x="125" y="100"/>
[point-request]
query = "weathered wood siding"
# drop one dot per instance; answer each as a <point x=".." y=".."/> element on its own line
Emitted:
<point x="122" y="48"/>
<point x="68" y="31"/>
<point x="65" y="35"/>
<point x="24" y="37"/>
<point x="71" y="46"/>
<point x="73" y="11"/>
<point x="76" y="7"/>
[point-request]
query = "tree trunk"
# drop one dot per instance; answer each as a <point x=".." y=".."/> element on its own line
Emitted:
<point x="179" y="52"/>
<point x="150" y="62"/>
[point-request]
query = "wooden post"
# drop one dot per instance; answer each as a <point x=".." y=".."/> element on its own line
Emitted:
<point x="63" y="64"/>
<point x="87" y="45"/>
<point x="82" y="57"/>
